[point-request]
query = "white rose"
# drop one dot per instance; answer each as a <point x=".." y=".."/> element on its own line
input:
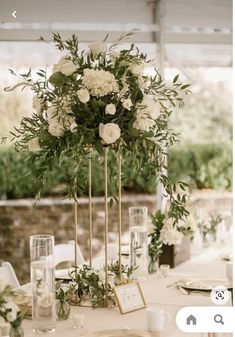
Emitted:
<point x="109" y="132"/>
<point x="83" y="95"/>
<point x="136" y="68"/>
<point x="127" y="104"/>
<point x="110" y="109"/>
<point x="3" y="284"/>
<point x="58" y="66"/>
<point x="147" y="113"/>
<point x="97" y="48"/>
<point x="68" y="68"/>
<point x="34" y="145"/>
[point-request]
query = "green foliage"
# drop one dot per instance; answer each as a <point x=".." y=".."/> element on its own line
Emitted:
<point x="202" y="165"/>
<point x="65" y="124"/>
<point x="89" y="284"/>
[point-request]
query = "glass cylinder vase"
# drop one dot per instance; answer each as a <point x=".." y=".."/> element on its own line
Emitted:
<point x="138" y="220"/>
<point x="16" y="331"/>
<point x="43" y="283"/>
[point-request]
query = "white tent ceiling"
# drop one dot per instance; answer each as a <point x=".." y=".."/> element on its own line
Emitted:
<point x="195" y="32"/>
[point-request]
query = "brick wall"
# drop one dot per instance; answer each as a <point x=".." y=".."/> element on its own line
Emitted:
<point x="19" y="219"/>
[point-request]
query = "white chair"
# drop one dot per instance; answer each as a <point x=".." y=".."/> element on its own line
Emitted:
<point x="8" y="273"/>
<point x="64" y="252"/>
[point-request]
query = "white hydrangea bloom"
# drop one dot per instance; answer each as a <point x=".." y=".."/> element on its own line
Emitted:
<point x="109" y="132"/>
<point x="169" y="233"/>
<point x="99" y="82"/>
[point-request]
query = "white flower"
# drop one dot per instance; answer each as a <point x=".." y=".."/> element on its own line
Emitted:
<point x="101" y="275"/>
<point x="97" y="48"/>
<point x="68" y="68"/>
<point x="109" y="132"/>
<point x="73" y="127"/>
<point x="34" y="145"/>
<point x="127" y="104"/>
<point x="147" y="113"/>
<point x="58" y="66"/>
<point x="137" y="68"/>
<point x="110" y="109"/>
<point x="143" y="82"/>
<point x="90" y="272"/>
<point x="65" y="66"/>
<point x="37" y="104"/>
<point x="11" y="315"/>
<point x="114" y="55"/>
<point x="83" y="95"/>
<point x="56" y="129"/>
<point x="99" y="82"/>
<point x="3" y="284"/>
<point x="169" y="233"/>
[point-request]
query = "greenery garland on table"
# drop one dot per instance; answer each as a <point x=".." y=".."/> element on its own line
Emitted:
<point x="88" y="285"/>
<point x="100" y="97"/>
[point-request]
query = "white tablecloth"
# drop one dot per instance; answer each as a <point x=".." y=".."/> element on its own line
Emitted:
<point x="208" y="264"/>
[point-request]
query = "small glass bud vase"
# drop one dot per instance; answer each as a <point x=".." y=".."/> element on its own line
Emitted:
<point x="62" y="310"/>
<point x="16" y="331"/>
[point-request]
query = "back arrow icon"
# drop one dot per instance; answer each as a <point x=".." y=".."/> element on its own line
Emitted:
<point x="14" y="14"/>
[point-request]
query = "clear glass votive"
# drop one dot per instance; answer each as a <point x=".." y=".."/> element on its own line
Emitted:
<point x="138" y="220"/>
<point x="164" y="270"/>
<point x="78" y="321"/>
<point x="43" y="283"/>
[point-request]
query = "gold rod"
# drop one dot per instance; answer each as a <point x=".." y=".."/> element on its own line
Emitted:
<point x="90" y="208"/>
<point x="106" y="221"/>
<point x="75" y="228"/>
<point x="120" y="211"/>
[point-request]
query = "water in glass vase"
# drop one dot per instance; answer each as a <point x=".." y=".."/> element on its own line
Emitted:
<point x="139" y="250"/>
<point x="43" y="309"/>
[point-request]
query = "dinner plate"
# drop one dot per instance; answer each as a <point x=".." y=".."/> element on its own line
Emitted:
<point x="204" y="284"/>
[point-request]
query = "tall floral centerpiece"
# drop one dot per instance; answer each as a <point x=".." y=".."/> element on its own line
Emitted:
<point x="100" y="100"/>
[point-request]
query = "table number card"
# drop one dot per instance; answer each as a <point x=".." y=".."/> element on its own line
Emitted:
<point x="129" y="297"/>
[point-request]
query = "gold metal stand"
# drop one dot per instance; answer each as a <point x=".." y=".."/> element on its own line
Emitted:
<point x="90" y="207"/>
<point x="106" y="221"/>
<point x="120" y="212"/>
<point x="75" y="226"/>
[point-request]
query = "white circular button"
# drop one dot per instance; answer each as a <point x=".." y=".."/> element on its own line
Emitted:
<point x="219" y="295"/>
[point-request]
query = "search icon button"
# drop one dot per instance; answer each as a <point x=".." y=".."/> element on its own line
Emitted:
<point x="218" y="319"/>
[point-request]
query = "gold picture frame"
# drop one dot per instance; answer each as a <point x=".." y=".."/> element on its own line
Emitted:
<point x="129" y="297"/>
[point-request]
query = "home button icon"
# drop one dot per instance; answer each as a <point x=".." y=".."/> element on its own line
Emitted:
<point x="191" y="320"/>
